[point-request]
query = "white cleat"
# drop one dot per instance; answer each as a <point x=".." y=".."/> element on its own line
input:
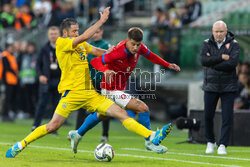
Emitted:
<point x="156" y="148"/>
<point x="210" y="148"/>
<point x="75" y="138"/>
<point x="222" y="150"/>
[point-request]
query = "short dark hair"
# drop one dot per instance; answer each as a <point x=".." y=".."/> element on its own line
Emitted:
<point x="54" y="28"/>
<point x="136" y="34"/>
<point x="66" y="23"/>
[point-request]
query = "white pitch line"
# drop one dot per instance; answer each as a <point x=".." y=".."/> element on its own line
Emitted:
<point x="134" y="156"/>
<point x="241" y="151"/>
<point x="176" y="160"/>
<point x="195" y="155"/>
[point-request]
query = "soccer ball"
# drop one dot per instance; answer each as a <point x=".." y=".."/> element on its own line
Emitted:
<point x="104" y="152"/>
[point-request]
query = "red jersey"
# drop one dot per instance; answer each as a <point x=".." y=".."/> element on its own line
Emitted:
<point x="123" y="63"/>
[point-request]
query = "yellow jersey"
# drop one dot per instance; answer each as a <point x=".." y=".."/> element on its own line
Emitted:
<point x="73" y="64"/>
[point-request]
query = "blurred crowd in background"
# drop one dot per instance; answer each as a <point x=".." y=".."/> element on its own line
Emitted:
<point x="242" y="100"/>
<point x="20" y="15"/>
<point x="29" y="14"/>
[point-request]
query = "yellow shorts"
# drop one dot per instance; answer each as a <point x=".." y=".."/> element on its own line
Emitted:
<point x="87" y="99"/>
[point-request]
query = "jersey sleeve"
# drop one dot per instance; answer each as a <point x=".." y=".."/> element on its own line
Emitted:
<point x="145" y="52"/>
<point x="87" y="46"/>
<point x="99" y="62"/>
<point x="113" y="55"/>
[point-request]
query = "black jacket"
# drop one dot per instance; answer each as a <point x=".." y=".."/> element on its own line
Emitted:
<point x="220" y="75"/>
<point x="46" y="57"/>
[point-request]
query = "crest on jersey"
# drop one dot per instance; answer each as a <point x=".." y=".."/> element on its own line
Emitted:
<point x="227" y="45"/>
<point x="128" y="69"/>
<point x="64" y="105"/>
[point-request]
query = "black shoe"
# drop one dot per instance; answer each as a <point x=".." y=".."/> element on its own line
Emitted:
<point x="104" y="139"/>
<point x="33" y="128"/>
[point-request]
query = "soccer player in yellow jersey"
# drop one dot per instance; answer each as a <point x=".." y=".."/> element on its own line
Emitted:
<point x="77" y="89"/>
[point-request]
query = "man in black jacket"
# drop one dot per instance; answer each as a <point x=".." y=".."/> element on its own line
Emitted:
<point x="219" y="57"/>
<point x="49" y="74"/>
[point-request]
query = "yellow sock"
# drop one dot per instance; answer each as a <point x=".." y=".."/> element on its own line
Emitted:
<point x="37" y="133"/>
<point x="134" y="126"/>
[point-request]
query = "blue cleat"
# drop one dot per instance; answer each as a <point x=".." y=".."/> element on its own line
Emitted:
<point x="13" y="151"/>
<point x="161" y="134"/>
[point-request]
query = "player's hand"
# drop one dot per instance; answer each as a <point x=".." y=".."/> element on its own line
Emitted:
<point x="111" y="48"/>
<point x="174" y="67"/>
<point x="105" y="15"/>
<point x="108" y="74"/>
<point x="43" y="79"/>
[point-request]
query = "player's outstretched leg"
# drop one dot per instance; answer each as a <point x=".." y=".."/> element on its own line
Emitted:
<point x="39" y="132"/>
<point x="161" y="134"/>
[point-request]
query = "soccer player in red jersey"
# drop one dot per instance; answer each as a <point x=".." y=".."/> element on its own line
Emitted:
<point x="117" y="65"/>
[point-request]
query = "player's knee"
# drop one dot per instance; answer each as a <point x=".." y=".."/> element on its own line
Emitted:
<point x="143" y="108"/>
<point x="123" y="115"/>
<point x="102" y="117"/>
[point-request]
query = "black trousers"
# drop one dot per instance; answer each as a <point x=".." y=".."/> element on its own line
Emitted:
<point x="9" y="100"/>
<point x="28" y="98"/>
<point x="45" y="92"/>
<point x="227" y="102"/>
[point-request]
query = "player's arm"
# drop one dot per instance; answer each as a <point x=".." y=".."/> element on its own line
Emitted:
<point x="91" y="30"/>
<point x="97" y="51"/>
<point x="99" y="64"/>
<point x="157" y="60"/>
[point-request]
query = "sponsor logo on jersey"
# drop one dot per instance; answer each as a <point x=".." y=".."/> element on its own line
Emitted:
<point x="123" y="96"/>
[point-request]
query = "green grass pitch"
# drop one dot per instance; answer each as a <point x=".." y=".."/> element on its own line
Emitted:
<point x="54" y="151"/>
